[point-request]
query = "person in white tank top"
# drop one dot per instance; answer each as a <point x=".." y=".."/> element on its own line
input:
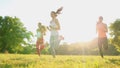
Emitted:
<point x="54" y="27"/>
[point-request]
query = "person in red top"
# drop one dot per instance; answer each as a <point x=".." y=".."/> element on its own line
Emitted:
<point x="41" y="30"/>
<point x="101" y="29"/>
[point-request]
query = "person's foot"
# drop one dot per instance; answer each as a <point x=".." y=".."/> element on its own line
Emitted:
<point x="101" y="54"/>
<point x="53" y="56"/>
<point x="39" y="52"/>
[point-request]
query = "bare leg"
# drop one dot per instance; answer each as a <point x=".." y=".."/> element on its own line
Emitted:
<point x="38" y="48"/>
<point x="100" y="46"/>
<point x="38" y="51"/>
<point x="41" y="47"/>
<point x="52" y="51"/>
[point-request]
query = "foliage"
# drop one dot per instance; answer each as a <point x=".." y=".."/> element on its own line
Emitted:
<point x="13" y="34"/>
<point x="85" y="48"/>
<point x="28" y="49"/>
<point x="115" y="33"/>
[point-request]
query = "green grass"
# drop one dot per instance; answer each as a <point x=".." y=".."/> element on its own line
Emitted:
<point x="61" y="61"/>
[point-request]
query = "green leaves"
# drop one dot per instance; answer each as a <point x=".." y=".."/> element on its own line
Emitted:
<point x="115" y="33"/>
<point x="12" y="33"/>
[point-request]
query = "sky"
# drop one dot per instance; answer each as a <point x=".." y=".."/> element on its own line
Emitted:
<point x="77" y="21"/>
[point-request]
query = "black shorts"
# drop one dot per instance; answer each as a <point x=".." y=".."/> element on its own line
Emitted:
<point x="103" y="43"/>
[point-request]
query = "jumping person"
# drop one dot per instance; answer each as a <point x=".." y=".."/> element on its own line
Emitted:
<point x="101" y="29"/>
<point x="40" y="41"/>
<point x="54" y="27"/>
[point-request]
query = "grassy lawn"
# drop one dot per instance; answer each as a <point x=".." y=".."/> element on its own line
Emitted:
<point x="61" y="61"/>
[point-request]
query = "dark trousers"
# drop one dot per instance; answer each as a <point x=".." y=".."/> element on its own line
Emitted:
<point x="102" y="44"/>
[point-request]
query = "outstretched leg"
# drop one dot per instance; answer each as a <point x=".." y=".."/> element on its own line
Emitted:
<point x="41" y="47"/>
<point x="58" y="40"/>
<point x="100" y="47"/>
<point x="52" y="49"/>
<point x="105" y="43"/>
<point x="52" y="45"/>
<point x="38" y="47"/>
<point x="101" y="52"/>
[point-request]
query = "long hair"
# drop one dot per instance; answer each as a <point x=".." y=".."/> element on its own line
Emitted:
<point x="59" y="10"/>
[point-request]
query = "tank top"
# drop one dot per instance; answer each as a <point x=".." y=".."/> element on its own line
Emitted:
<point x="53" y="30"/>
<point x="39" y="34"/>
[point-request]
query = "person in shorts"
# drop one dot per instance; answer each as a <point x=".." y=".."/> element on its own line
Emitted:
<point x="40" y="40"/>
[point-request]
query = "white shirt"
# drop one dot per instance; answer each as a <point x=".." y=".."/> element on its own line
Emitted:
<point x="53" y="30"/>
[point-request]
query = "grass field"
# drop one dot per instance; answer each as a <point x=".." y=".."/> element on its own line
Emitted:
<point x="61" y="61"/>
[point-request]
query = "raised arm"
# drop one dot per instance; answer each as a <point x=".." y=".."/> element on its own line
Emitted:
<point x="48" y="27"/>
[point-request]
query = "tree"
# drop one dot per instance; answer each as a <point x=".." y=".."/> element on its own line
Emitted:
<point x="29" y="49"/>
<point x="115" y="33"/>
<point x="13" y="34"/>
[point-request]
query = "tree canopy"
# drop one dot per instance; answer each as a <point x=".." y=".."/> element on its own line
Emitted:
<point x="115" y="33"/>
<point x="13" y="34"/>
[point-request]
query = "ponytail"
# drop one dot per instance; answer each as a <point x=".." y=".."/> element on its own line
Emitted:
<point x="59" y="10"/>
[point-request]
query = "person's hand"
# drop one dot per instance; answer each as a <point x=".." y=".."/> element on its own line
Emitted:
<point x="48" y="28"/>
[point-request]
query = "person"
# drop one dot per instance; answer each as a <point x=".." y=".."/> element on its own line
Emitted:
<point x="101" y="29"/>
<point x="54" y="27"/>
<point x="40" y="41"/>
